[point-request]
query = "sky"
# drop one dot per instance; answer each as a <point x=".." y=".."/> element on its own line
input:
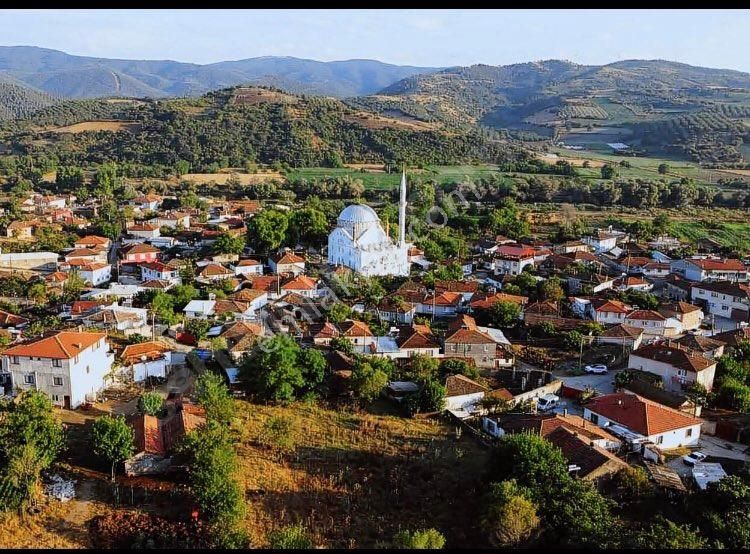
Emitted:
<point x="436" y="38"/>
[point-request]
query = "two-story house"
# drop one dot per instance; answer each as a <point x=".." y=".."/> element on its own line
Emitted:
<point x="248" y="267"/>
<point x="158" y="271"/>
<point x="678" y="366"/>
<point x="608" y="312"/>
<point x="287" y="262"/>
<point x="710" y="269"/>
<point x="68" y="366"/>
<point x="512" y="259"/>
<point x="139" y="253"/>
<point x="654" y="323"/>
<point x="722" y="298"/>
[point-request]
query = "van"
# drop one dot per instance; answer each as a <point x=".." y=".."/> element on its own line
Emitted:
<point x="547" y="402"/>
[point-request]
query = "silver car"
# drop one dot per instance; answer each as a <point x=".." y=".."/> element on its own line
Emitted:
<point x="598" y="369"/>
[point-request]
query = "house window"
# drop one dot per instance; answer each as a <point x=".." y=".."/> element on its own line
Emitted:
<point x="715" y="294"/>
<point x="55" y="398"/>
<point x="659" y="439"/>
<point x="88" y="368"/>
<point x="689" y="432"/>
<point x="15" y="360"/>
<point x="595" y="419"/>
<point x="56" y="363"/>
<point x="76" y="359"/>
<point x="57" y="381"/>
<point x="29" y="379"/>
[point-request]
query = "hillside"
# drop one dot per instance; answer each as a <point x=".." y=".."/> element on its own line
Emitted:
<point x="19" y="101"/>
<point x="68" y="76"/>
<point x="588" y="106"/>
<point x="232" y="127"/>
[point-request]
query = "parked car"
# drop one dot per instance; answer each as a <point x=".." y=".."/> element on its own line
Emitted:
<point x="693" y="457"/>
<point x="596" y="368"/>
<point x="547" y="402"/>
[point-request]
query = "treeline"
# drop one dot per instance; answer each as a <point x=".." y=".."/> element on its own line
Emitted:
<point x="18" y="101"/>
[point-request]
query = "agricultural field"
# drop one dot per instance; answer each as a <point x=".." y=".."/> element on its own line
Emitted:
<point x="86" y="126"/>
<point x="356" y="479"/>
<point x="222" y="178"/>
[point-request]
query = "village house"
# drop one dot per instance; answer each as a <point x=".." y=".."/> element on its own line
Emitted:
<point x="321" y="334"/>
<point x="286" y="262"/>
<point x="656" y="270"/>
<point x="95" y="273"/>
<point x="722" y="298"/>
<point x="248" y="267"/>
<point x="146" y="202"/>
<point x="139" y="253"/>
<point x="627" y="283"/>
<point x="678" y="366"/>
<point x="304" y="286"/>
<point x="151" y="271"/>
<point x="512" y="259"/>
<point x="123" y="319"/>
<point x="654" y="323"/>
<point x="417" y="339"/>
<point x="708" y="347"/>
<point x="465" y="340"/>
<point x="640" y="420"/>
<point x="241" y="336"/>
<point x="146" y="359"/>
<point x="623" y="335"/>
<point x="172" y="220"/>
<point x="93" y="242"/>
<point x="588" y="282"/>
<point x="444" y="304"/>
<point x="689" y="315"/>
<point x="23" y="230"/>
<point x="710" y="269"/>
<point x="394" y="309"/>
<point x="357" y="332"/>
<point x="463" y="395"/>
<point x="608" y="312"/>
<point x="604" y="240"/>
<point x="68" y="366"/>
<point x="144" y="231"/>
<point x="211" y="272"/>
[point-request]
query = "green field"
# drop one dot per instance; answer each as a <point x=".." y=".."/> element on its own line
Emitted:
<point x="442" y="174"/>
<point x="732" y="235"/>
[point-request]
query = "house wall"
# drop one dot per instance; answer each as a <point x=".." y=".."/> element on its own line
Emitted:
<point x="463" y="401"/>
<point x="609" y="318"/>
<point x="720" y="304"/>
<point x="551" y="388"/>
<point x="669" y="439"/>
<point x="482" y="354"/>
<point x="511" y="266"/>
<point x="671" y="375"/>
<point x="153" y="368"/>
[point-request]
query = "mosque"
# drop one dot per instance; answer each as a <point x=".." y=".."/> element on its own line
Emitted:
<point x="359" y="241"/>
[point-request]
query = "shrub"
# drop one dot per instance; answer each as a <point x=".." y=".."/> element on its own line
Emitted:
<point x="291" y="537"/>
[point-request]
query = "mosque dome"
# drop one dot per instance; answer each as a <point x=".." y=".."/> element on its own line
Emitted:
<point x="358" y="213"/>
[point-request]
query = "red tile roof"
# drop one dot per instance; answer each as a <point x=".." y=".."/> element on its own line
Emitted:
<point x="64" y="345"/>
<point x="639" y="414"/>
<point x="674" y="355"/>
<point x="645" y="315"/>
<point x="459" y="385"/>
<point x="153" y="350"/>
<point x="354" y="328"/>
<point x="718" y="265"/>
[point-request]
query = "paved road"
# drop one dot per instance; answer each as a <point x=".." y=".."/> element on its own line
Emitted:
<point x="604" y="384"/>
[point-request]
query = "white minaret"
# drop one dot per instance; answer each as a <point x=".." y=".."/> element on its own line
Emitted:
<point x="402" y="212"/>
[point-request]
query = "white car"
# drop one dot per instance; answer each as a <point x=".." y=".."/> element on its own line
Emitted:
<point x="693" y="457"/>
<point x="596" y="368"/>
<point x="547" y="402"/>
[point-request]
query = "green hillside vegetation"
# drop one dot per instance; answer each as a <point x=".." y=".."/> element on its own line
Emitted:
<point x="216" y="132"/>
<point x="18" y="101"/>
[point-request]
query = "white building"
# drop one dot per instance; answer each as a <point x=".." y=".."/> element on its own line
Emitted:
<point x="649" y="421"/>
<point x="360" y="242"/>
<point x="69" y="366"/>
<point x="96" y="273"/>
<point x="722" y="298"/>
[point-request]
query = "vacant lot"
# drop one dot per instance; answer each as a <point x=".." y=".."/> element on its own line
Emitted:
<point x="260" y="96"/>
<point x="356" y="479"/>
<point x="576" y="162"/>
<point x="370" y="121"/>
<point x="112" y="126"/>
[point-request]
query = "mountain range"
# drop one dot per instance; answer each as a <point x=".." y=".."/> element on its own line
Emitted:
<point x="63" y="75"/>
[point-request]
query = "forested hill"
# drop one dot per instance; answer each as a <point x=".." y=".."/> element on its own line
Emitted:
<point x="233" y="127"/>
<point x="20" y="101"/>
<point x="68" y="76"/>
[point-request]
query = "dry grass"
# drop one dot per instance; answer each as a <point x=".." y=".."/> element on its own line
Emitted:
<point x="254" y="95"/>
<point x="370" y="168"/>
<point x="576" y="162"/>
<point x="370" y="121"/>
<point x="112" y="126"/>
<point x="356" y="479"/>
<point x="222" y="178"/>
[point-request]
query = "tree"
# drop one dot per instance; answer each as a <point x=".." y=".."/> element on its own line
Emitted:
<point x="367" y="382"/>
<point x="423" y="366"/>
<point x="308" y="226"/>
<point x="663" y="168"/>
<point x="551" y="290"/>
<point x="421" y="539"/>
<point x="456" y="366"/>
<point x="697" y="394"/>
<point x="38" y="293"/>
<point x="150" y="403"/>
<point x="198" y="328"/>
<point x="31" y="420"/>
<point x="73" y="286"/>
<point x="212" y="393"/>
<point x="291" y="537"/>
<point x="511" y="517"/>
<point x="505" y="314"/>
<point x="267" y="230"/>
<point x="572" y="340"/>
<point x="112" y="439"/>
<point x="431" y="396"/>
<point x="24" y="468"/>
<point x="279" y="370"/>
<point x="342" y="345"/>
<point x="229" y="244"/>
<point x="608" y="171"/>
<point x="663" y="533"/>
<point x="339" y="312"/>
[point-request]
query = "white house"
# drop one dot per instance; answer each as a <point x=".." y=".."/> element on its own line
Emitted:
<point x="604" y="240"/>
<point x="248" y="267"/>
<point x="608" y="312"/>
<point x="95" y="273"/>
<point x="144" y="231"/>
<point x="147" y="359"/>
<point x="69" y="366"/>
<point x="462" y="395"/>
<point x="722" y="298"/>
<point x="158" y="271"/>
<point x="677" y="366"/>
<point x="710" y="269"/>
<point x="512" y="259"/>
<point x="649" y="421"/>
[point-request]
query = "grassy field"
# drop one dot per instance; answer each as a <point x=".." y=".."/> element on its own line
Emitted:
<point x="377" y="180"/>
<point x="354" y="480"/>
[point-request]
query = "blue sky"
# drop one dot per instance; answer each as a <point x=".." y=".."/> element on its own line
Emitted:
<point x="713" y="38"/>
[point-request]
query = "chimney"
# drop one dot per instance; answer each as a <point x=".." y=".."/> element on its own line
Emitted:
<point x="565" y="412"/>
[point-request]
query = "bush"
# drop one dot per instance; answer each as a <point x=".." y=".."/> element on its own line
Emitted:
<point x="291" y="537"/>
<point x="419" y="540"/>
<point x="277" y="432"/>
<point x="150" y="403"/>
